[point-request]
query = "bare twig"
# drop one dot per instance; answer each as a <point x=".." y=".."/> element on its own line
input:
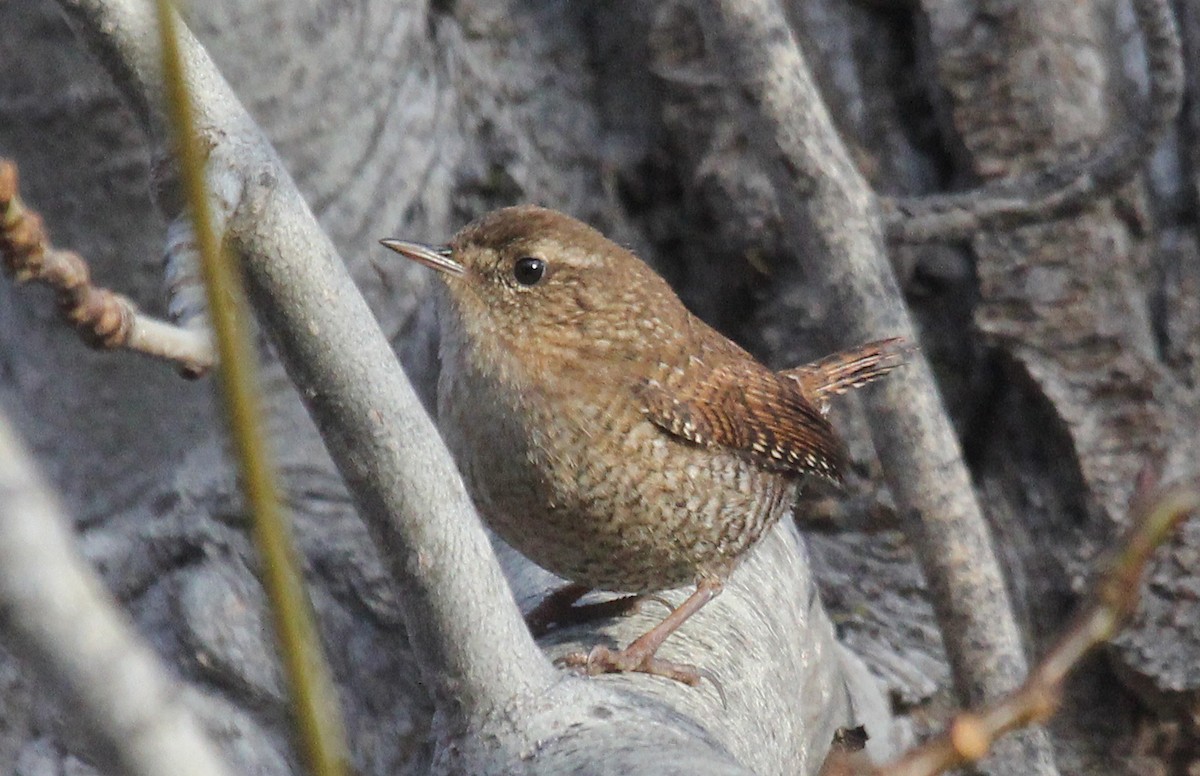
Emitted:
<point x="57" y="615"/>
<point x="1068" y="187"/>
<point x="104" y="319"/>
<point x="1113" y="600"/>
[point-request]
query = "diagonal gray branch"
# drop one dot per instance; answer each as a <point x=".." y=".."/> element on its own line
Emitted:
<point x="835" y="225"/>
<point x="56" y="614"/>
<point x="461" y="619"/>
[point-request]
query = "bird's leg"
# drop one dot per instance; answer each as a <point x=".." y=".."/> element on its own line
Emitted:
<point x="558" y="608"/>
<point x="639" y="656"/>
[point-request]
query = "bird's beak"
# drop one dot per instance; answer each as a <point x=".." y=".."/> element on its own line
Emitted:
<point x="436" y="256"/>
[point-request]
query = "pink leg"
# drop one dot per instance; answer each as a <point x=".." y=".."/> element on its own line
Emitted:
<point x="639" y="656"/>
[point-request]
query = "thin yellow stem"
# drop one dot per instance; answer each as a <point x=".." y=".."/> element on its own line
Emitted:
<point x="313" y="695"/>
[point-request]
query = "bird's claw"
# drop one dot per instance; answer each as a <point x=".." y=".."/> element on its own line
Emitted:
<point x="602" y="660"/>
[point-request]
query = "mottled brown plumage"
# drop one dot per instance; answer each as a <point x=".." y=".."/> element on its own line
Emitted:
<point x="607" y="433"/>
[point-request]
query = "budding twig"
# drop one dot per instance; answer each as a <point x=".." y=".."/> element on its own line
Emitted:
<point x="103" y="318"/>
<point x="1113" y="599"/>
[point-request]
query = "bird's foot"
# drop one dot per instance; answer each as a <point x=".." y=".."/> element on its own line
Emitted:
<point x="639" y="656"/>
<point x="602" y="660"/>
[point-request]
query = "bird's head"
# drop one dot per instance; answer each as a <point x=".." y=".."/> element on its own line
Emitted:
<point x="528" y="275"/>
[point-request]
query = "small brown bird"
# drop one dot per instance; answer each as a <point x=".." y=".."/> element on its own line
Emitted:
<point x="608" y="434"/>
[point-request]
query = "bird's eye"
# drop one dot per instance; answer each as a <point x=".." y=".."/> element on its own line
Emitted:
<point x="529" y="271"/>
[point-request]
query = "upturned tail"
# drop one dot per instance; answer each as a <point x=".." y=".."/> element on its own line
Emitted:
<point x="849" y="369"/>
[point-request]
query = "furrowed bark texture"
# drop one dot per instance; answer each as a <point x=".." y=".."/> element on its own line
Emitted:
<point x="1065" y="353"/>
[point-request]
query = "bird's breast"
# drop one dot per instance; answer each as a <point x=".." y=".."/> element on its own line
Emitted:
<point x="568" y="470"/>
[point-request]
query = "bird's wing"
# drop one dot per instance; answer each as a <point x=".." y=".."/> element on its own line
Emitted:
<point x="751" y="411"/>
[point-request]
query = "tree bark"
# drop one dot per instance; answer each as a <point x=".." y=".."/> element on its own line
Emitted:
<point x="1065" y="353"/>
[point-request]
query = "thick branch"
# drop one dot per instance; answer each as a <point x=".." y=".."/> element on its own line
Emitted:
<point x="55" y="613"/>
<point x="832" y="221"/>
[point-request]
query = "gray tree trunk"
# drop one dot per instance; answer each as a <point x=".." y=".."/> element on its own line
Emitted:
<point x="1067" y="353"/>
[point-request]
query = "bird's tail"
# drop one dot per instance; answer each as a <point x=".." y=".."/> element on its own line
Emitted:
<point x="849" y="369"/>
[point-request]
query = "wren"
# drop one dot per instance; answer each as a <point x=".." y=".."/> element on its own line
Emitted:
<point x="608" y="434"/>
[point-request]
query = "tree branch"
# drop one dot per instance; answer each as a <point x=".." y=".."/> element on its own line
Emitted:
<point x="103" y="319"/>
<point x="833" y="222"/>
<point x="1109" y="607"/>
<point x="460" y="616"/>
<point x="56" y="614"/>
